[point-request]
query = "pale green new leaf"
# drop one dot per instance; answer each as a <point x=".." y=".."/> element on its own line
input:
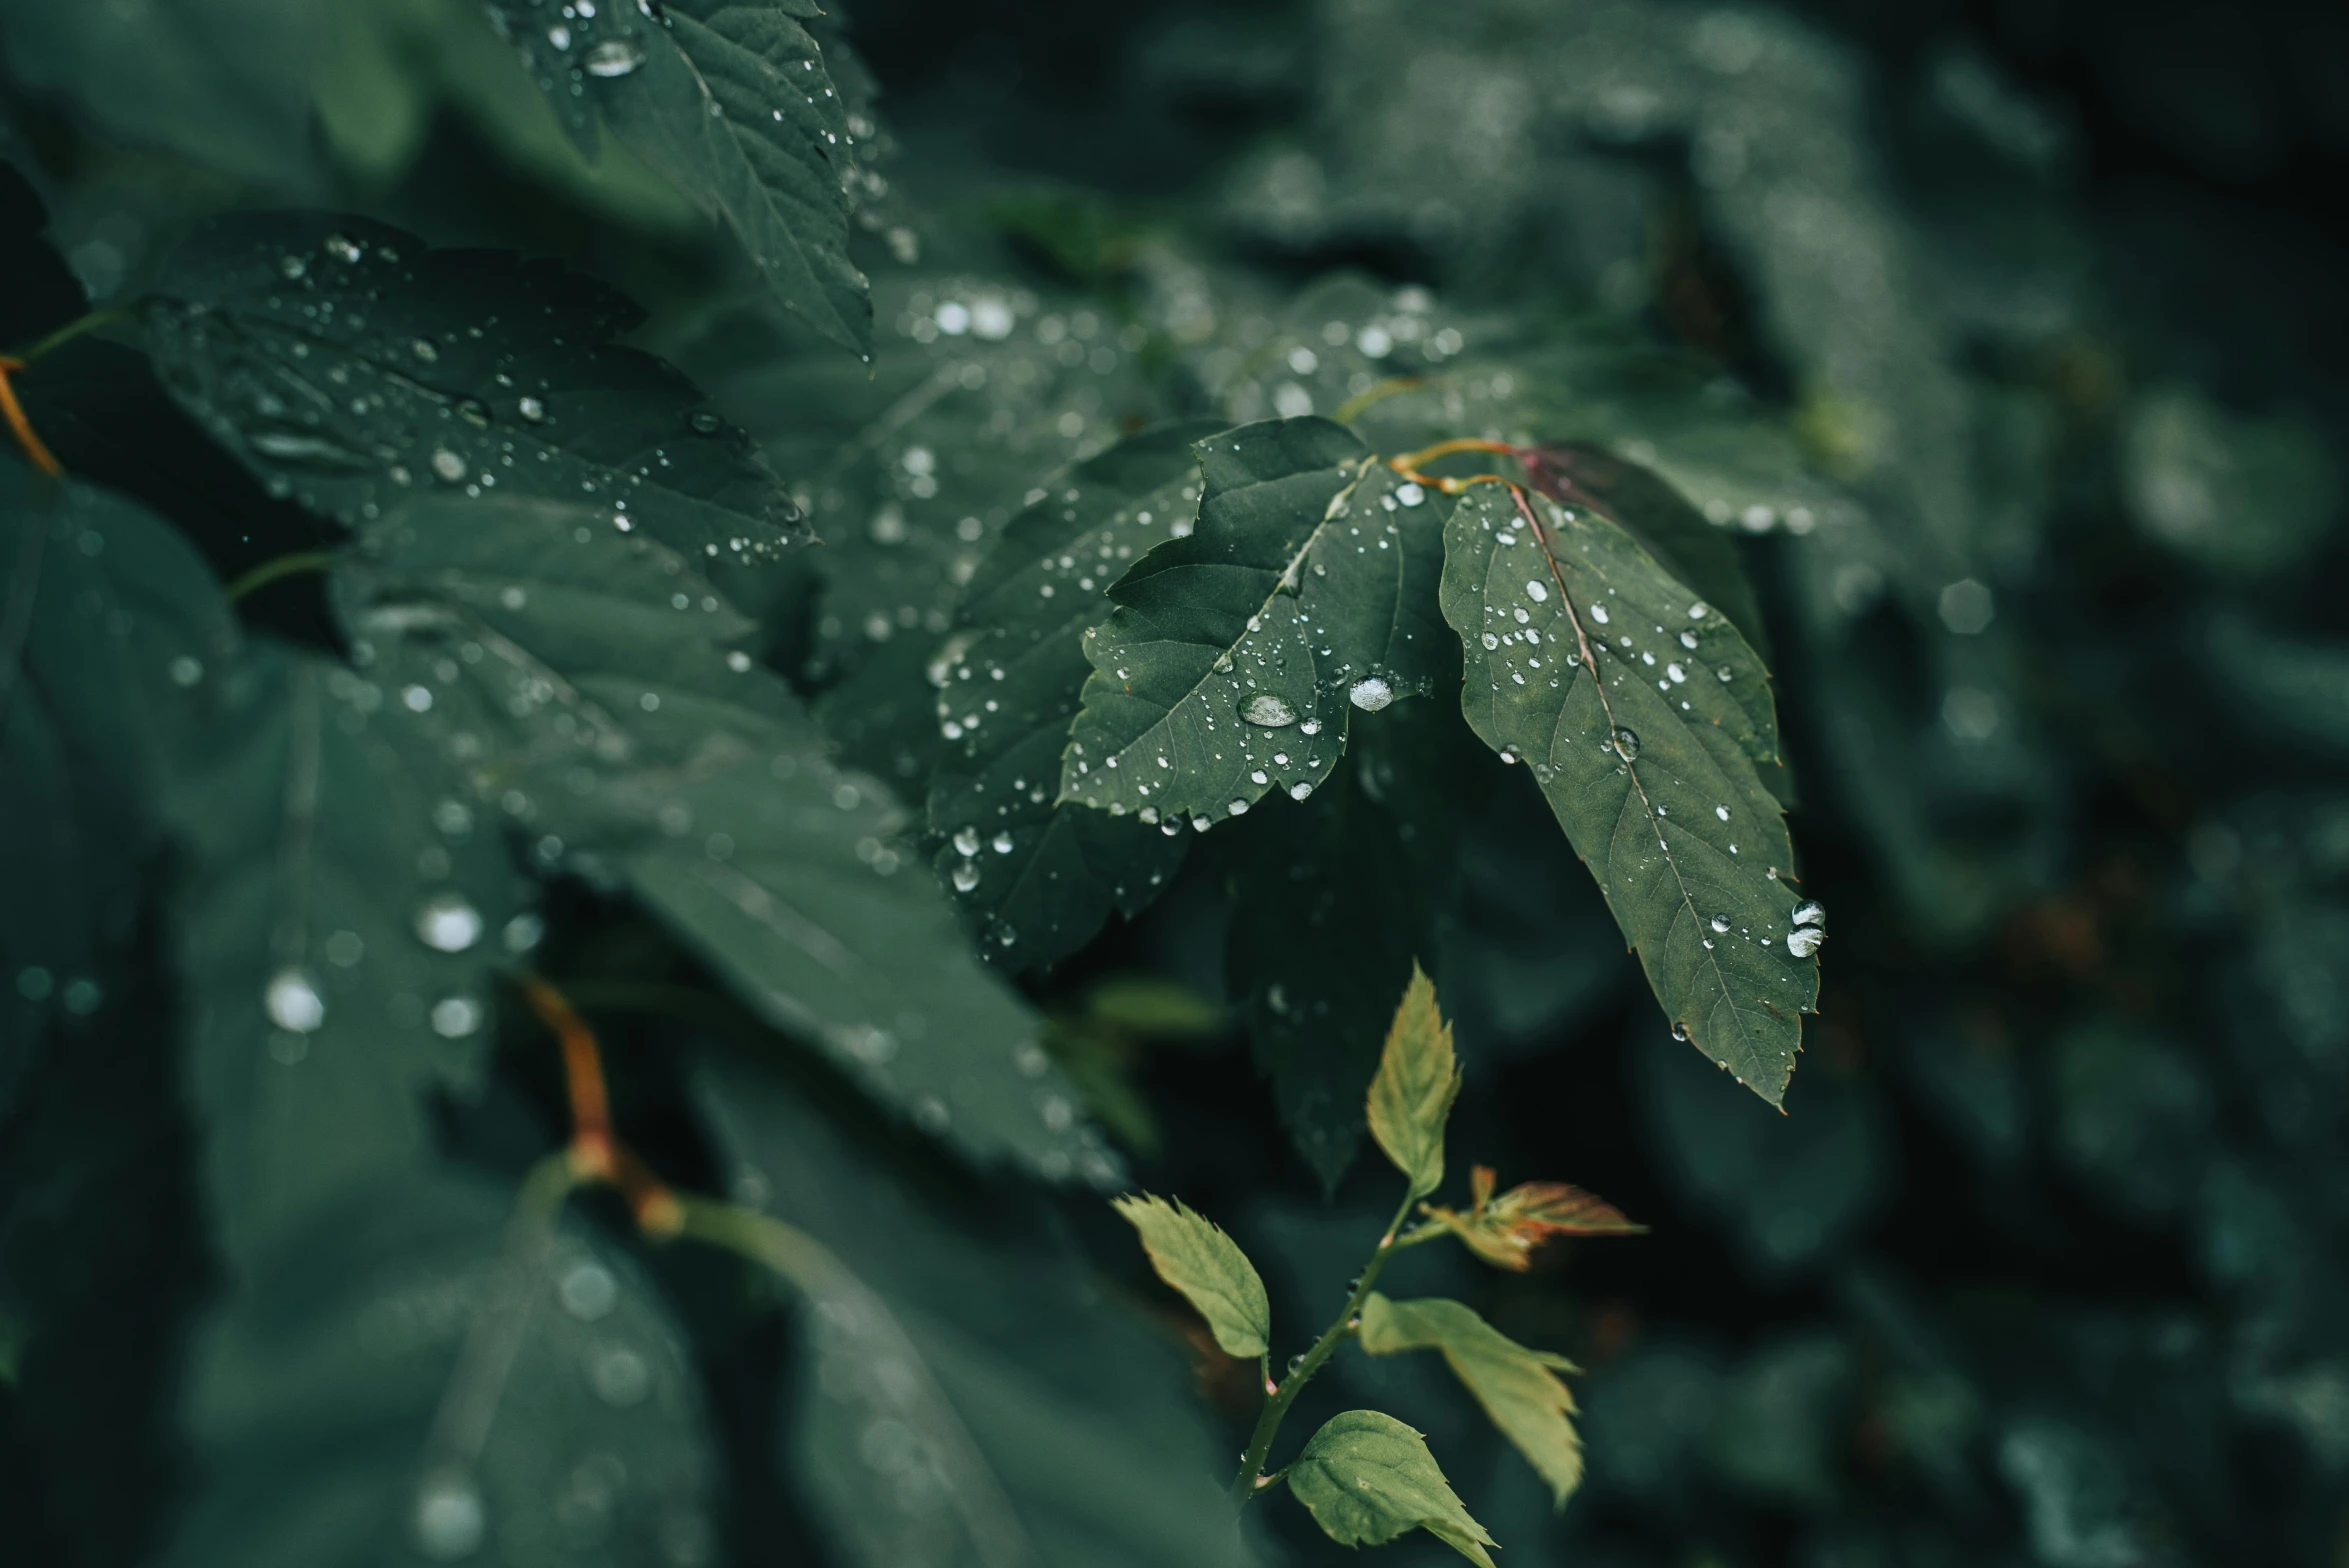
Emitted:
<point x="730" y="100"/>
<point x="1411" y="1095"/>
<point x="1644" y="717"/>
<point x="1040" y="877"/>
<point x="1239" y="653"/>
<point x="1194" y="1255"/>
<point x="1518" y="1388"/>
<point x="588" y="684"/>
<point x="1367" y="1478"/>
<point x="352" y="368"/>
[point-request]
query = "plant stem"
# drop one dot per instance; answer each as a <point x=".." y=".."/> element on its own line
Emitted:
<point x="1251" y="1478"/>
<point x="271" y="570"/>
<point x="92" y="322"/>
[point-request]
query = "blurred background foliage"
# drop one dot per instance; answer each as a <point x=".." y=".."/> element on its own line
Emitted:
<point x="2031" y="320"/>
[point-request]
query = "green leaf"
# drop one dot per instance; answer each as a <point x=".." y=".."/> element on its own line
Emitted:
<point x="730" y="100"/>
<point x="224" y="82"/>
<point x="587" y="683"/>
<point x="1194" y="1256"/>
<point x="1411" y="1095"/>
<point x="1367" y="1478"/>
<point x="109" y="626"/>
<point x="1649" y="762"/>
<point x="912" y="467"/>
<point x="1025" y="1420"/>
<point x="351" y="367"/>
<point x="340" y="924"/>
<point x="1239" y="653"/>
<point x="1039" y="877"/>
<point x="1519" y="1388"/>
<point x="420" y="1372"/>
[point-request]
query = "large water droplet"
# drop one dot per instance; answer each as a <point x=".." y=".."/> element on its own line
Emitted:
<point x="1627" y="744"/>
<point x="1003" y="844"/>
<point x="1268" y="711"/>
<point x="447" y="923"/>
<point x="966" y="841"/>
<point x="532" y="409"/>
<point x="1370" y="694"/>
<point x="1719" y="923"/>
<point x="448" y="465"/>
<point x="613" y="57"/>
<point x="1812" y="914"/>
<point x="966" y="875"/>
<point x="450" y="1521"/>
<point x="1803" y="941"/>
<point x="292" y="1001"/>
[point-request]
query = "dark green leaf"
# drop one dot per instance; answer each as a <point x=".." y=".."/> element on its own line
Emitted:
<point x="730" y="100"/>
<point x="1367" y="1478"/>
<point x="1518" y="1388"/>
<point x="351" y="368"/>
<point x="1239" y="652"/>
<point x="1332" y="902"/>
<point x="584" y="681"/>
<point x="109" y="625"/>
<point x="1193" y="1255"/>
<point x="411" y="1375"/>
<point x="1649" y="760"/>
<point x="1041" y="877"/>
<point x="980" y="391"/>
<point x="342" y="918"/>
<point x="1023" y="1421"/>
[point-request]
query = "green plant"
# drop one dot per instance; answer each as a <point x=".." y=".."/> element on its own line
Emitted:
<point x="1365" y="1477"/>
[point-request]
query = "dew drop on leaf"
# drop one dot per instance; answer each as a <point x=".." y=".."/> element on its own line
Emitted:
<point x="292" y="1001"/>
<point x="1370" y="694"/>
<point x="1267" y="711"/>
<point x="447" y="923"/>
<point x="613" y="57"/>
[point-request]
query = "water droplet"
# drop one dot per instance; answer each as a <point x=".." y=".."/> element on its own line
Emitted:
<point x="966" y="875"/>
<point x="532" y="409"/>
<point x="1696" y="612"/>
<point x="1598" y="613"/>
<point x="1490" y="641"/>
<point x="588" y="1290"/>
<point x="448" y="465"/>
<point x="1803" y="941"/>
<point x="1309" y="727"/>
<point x="450" y="1521"/>
<point x="455" y="1017"/>
<point x="619" y="1375"/>
<point x="1722" y="812"/>
<point x="422" y="348"/>
<point x="1812" y="914"/>
<point x="1680" y="1032"/>
<point x="1676" y="672"/>
<point x="559" y="36"/>
<point x="292" y="1001"/>
<point x="1409" y="494"/>
<point x="705" y="422"/>
<point x="1370" y="694"/>
<point x="1238" y="808"/>
<point x="613" y="57"/>
<point x="447" y="923"/>
<point x="1002" y="844"/>
<point x="292" y="266"/>
<point x="1627" y="744"/>
<point x="1267" y="711"/>
<point x="1726" y="673"/>
<point x="1719" y="923"/>
<point x="966" y="841"/>
<point x="1538" y="592"/>
<point x="1299" y="790"/>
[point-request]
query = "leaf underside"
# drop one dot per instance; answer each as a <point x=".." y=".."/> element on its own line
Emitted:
<point x="1411" y="1095"/>
<point x="1650" y="764"/>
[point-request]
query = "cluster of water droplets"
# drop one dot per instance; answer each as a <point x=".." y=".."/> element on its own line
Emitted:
<point x="354" y="374"/>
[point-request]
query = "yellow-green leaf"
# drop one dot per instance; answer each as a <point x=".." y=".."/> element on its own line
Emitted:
<point x="1195" y="1257"/>
<point x="1412" y="1094"/>
<point x="1367" y="1478"/>
<point x="1505" y="1230"/>
<point x="1519" y="1388"/>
